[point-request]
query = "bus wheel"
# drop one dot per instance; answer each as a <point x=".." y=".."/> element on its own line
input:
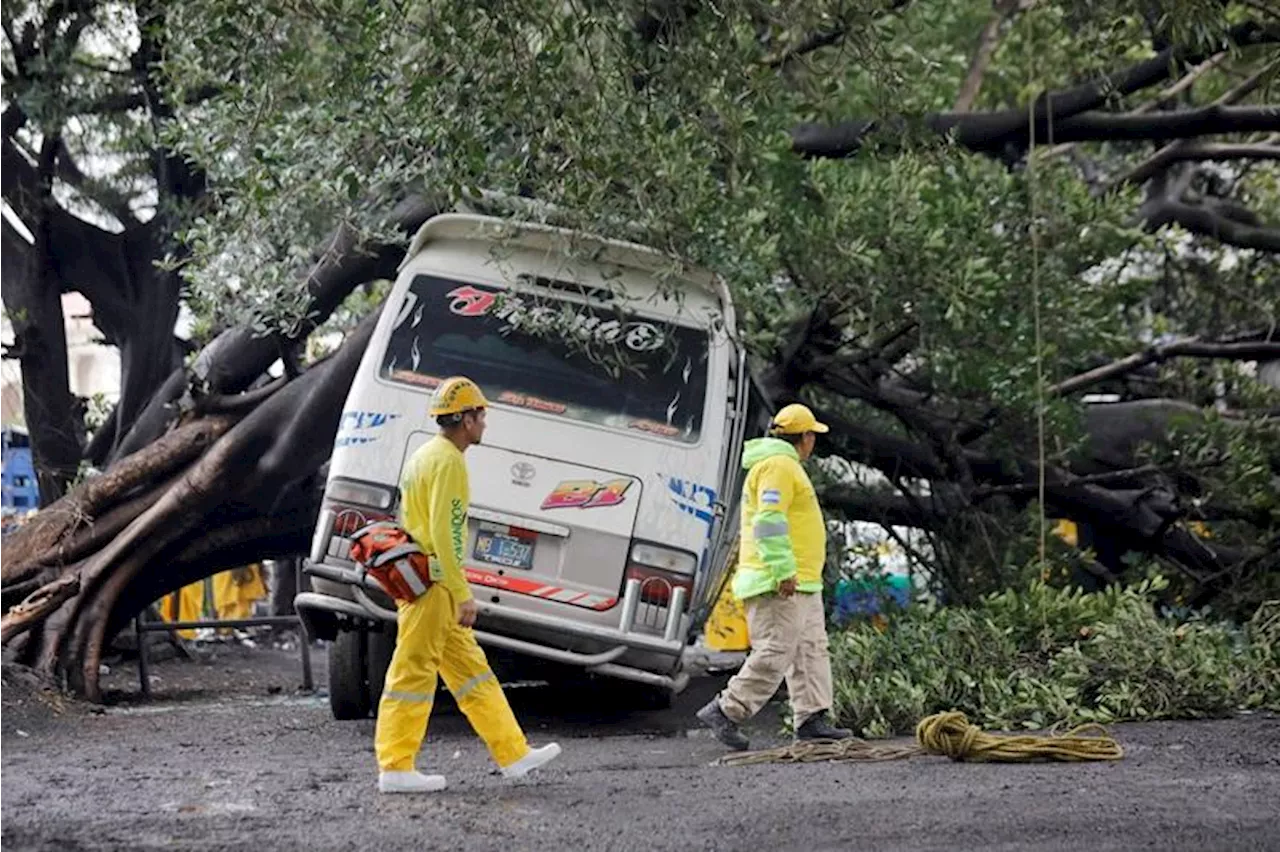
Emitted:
<point x="348" y="675"/>
<point x="640" y="696"/>
<point x="381" y="645"/>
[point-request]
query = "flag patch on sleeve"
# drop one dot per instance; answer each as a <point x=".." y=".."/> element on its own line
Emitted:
<point x="771" y="496"/>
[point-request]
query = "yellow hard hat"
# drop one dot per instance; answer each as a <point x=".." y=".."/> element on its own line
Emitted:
<point x="796" y="420"/>
<point x="456" y="395"/>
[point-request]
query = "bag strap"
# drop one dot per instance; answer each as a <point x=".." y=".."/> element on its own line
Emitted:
<point x="394" y="554"/>
<point x="370" y="527"/>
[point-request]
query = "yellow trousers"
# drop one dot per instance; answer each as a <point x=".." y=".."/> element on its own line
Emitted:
<point x="430" y="644"/>
<point x="235" y="591"/>
<point x="186" y="604"/>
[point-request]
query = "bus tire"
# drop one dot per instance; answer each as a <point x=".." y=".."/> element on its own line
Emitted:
<point x="348" y="675"/>
<point x="641" y="696"/>
<point x="381" y="645"/>
<point x="658" y="698"/>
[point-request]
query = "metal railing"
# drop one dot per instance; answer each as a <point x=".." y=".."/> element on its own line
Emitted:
<point x="143" y="627"/>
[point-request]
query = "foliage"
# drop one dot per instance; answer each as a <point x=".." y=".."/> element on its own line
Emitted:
<point x="686" y="142"/>
<point x="1035" y="656"/>
<point x="328" y="110"/>
<point x="1013" y="272"/>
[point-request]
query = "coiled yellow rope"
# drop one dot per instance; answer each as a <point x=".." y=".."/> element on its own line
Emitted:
<point x="950" y="735"/>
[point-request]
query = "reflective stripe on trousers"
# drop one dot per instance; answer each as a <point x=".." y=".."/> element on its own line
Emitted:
<point x="464" y="690"/>
<point x="419" y="697"/>
<point x="430" y="644"/>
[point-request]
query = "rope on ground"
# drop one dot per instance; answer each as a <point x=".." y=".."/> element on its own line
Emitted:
<point x="815" y="751"/>
<point x="949" y="735"/>
<point x="952" y="735"/>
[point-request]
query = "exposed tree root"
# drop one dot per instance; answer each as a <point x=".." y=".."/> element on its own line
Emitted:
<point x="37" y="543"/>
<point x="38" y="605"/>
<point x="253" y="484"/>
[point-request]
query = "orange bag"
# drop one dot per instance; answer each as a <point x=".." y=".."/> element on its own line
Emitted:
<point x="386" y="552"/>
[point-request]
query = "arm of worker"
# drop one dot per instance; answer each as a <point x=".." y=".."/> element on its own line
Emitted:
<point x="449" y="528"/>
<point x="770" y="527"/>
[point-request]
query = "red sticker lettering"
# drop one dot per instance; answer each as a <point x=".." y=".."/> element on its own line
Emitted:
<point x="470" y="301"/>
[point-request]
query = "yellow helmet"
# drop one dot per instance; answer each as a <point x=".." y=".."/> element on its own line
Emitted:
<point x="796" y="419"/>
<point x="456" y="395"/>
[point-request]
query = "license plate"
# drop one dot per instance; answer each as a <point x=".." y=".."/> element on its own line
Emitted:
<point x="499" y="548"/>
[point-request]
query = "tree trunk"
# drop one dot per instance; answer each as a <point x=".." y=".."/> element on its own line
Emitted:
<point x="238" y="356"/>
<point x="251" y="494"/>
<point x="54" y="420"/>
<point x="284" y="584"/>
<point x="148" y="351"/>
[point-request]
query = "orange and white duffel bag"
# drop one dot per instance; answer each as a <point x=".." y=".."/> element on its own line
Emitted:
<point x="386" y="552"/>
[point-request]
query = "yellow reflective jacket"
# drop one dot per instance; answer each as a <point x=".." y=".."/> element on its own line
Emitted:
<point x="433" y="508"/>
<point x="783" y="532"/>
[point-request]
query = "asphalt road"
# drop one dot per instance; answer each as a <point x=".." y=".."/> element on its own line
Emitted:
<point x="230" y="755"/>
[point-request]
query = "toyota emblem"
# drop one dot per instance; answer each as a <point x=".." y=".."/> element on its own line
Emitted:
<point x="522" y="473"/>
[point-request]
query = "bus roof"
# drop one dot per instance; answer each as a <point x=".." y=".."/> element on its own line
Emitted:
<point x="543" y="237"/>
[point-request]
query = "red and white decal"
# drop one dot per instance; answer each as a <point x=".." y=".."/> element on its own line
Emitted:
<point x="521" y="586"/>
<point x="471" y="301"/>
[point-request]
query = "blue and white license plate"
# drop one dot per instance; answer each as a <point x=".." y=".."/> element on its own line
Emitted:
<point x="499" y="548"/>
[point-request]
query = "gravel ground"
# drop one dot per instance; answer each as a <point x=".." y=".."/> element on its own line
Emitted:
<point x="231" y="754"/>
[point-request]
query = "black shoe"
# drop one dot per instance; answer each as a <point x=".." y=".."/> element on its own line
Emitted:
<point x="818" y="728"/>
<point x="723" y="727"/>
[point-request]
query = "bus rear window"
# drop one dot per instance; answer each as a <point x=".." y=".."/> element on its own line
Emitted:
<point x="554" y="356"/>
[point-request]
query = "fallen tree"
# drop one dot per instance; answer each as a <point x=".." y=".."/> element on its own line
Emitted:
<point x="250" y="492"/>
<point x="906" y="317"/>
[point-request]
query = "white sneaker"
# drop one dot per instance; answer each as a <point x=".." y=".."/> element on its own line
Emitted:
<point x="409" y="782"/>
<point x="531" y="761"/>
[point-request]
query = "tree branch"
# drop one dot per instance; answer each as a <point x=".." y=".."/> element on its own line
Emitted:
<point x="1165" y="96"/>
<point x="238" y="356"/>
<point x="240" y="403"/>
<point x="1061" y="116"/>
<point x="892" y="510"/>
<point x="1179" y="152"/>
<point x="1206" y="121"/>
<point x="897" y="458"/>
<point x="1188" y="80"/>
<point x="816" y="41"/>
<point x="125" y="101"/>
<point x="110" y="200"/>
<point x="1170" y="153"/>
<point x="988" y="41"/>
<point x="1208" y="222"/>
<point x="1129" y="477"/>
<point x="1191" y="348"/>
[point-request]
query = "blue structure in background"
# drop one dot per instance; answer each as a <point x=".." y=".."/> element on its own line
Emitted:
<point x="20" y="493"/>
<point x="862" y="597"/>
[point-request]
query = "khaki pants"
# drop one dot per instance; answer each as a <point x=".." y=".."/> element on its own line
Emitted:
<point x="788" y="642"/>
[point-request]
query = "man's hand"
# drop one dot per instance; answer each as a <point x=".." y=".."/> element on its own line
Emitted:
<point x="787" y="587"/>
<point x="467" y="612"/>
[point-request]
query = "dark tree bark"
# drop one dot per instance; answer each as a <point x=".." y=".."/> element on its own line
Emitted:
<point x="1067" y="115"/>
<point x="33" y="300"/>
<point x="252" y="493"/>
<point x="238" y="356"/>
<point x="284" y="581"/>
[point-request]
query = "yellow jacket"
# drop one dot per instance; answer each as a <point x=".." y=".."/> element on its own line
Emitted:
<point x="783" y="531"/>
<point x="435" y="496"/>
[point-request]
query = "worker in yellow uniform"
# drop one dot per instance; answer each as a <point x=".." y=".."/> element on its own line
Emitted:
<point x="779" y="580"/>
<point x="186" y="604"/>
<point x="236" y="591"/>
<point x="434" y="637"/>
